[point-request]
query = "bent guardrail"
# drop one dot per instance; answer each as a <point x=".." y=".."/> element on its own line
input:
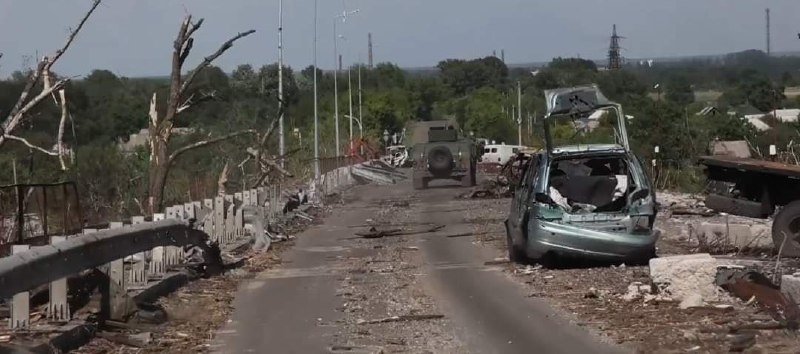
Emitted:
<point x="40" y="265"/>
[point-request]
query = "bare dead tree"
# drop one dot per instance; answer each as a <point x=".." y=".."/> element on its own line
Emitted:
<point x="178" y="102"/>
<point x="27" y="100"/>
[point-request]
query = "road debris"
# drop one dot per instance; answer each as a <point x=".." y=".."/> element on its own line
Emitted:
<point x="750" y="285"/>
<point x="679" y="277"/>
<point x="375" y="233"/>
<point x="404" y="318"/>
<point x="636" y="291"/>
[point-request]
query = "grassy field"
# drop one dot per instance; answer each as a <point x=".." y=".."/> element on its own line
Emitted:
<point x="713" y="95"/>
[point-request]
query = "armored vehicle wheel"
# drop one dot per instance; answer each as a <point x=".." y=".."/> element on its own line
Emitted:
<point x="469" y="179"/>
<point x="474" y="173"/>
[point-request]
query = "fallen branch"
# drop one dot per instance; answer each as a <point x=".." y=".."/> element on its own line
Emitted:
<point x="404" y="318"/>
<point x="122" y="339"/>
<point x="375" y="233"/>
<point x="691" y="211"/>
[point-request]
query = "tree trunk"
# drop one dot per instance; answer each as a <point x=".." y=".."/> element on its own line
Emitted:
<point x="159" y="168"/>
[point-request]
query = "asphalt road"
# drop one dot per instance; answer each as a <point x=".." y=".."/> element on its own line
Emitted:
<point x="293" y="309"/>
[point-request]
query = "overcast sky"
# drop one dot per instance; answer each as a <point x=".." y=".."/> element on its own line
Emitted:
<point x="134" y="37"/>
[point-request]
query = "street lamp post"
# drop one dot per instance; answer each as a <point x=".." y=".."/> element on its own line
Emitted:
<point x="360" y="129"/>
<point x="343" y="16"/>
<point x="281" y="107"/>
<point x="350" y="94"/>
<point x="316" y="110"/>
<point x="519" y="113"/>
<point x="336" y="88"/>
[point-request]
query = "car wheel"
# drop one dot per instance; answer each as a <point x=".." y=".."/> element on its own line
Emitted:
<point x="786" y="230"/>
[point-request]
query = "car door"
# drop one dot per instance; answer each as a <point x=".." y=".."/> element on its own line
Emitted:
<point x="521" y="201"/>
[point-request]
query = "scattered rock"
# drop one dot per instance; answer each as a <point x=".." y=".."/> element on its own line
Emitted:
<point x="790" y="286"/>
<point x="636" y="290"/>
<point x="681" y="276"/>
<point x="691" y="301"/>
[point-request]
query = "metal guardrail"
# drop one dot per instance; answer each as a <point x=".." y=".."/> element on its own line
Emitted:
<point x="41" y="265"/>
<point x="135" y="255"/>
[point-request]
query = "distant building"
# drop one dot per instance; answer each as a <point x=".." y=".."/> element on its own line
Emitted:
<point x="744" y="110"/>
<point x="756" y="121"/>
<point x="142" y="138"/>
<point x="709" y="111"/>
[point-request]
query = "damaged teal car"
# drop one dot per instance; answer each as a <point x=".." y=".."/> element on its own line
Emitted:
<point x="583" y="200"/>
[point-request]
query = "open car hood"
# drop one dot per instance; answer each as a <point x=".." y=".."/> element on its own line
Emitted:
<point x="579" y="103"/>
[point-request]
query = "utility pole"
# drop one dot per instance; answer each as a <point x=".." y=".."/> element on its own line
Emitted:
<point x="369" y="41"/>
<point x="519" y="113"/>
<point x="281" y="107"/>
<point x="360" y="108"/>
<point x="769" y="50"/>
<point x="350" y="94"/>
<point x="338" y="58"/>
<point x="316" y="111"/>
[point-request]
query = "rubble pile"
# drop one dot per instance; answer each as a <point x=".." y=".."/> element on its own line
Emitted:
<point x="688" y="227"/>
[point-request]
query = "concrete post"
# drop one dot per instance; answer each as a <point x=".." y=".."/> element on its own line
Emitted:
<point x="20" y="303"/>
<point x="116" y="299"/>
<point x="208" y="218"/>
<point x="219" y="220"/>
<point x="137" y="277"/>
<point x="171" y="252"/>
<point x="58" y="308"/>
<point x="246" y="197"/>
<point x="157" y="266"/>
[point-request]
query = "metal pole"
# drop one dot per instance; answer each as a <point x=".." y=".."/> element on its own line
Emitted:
<point x="316" y="111"/>
<point x="519" y="113"/>
<point x="336" y="88"/>
<point x="360" y="110"/>
<point x="281" y="138"/>
<point x="350" y="93"/>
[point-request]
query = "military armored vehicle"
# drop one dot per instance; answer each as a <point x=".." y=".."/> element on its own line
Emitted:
<point x="445" y="155"/>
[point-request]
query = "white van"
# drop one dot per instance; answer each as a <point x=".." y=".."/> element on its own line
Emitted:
<point x="500" y="154"/>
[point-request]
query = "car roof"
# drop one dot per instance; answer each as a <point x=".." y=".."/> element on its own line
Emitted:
<point x="574" y="149"/>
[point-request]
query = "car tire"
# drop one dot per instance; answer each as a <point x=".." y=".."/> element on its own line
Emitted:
<point x="420" y="183"/>
<point x="515" y="255"/>
<point x="787" y="224"/>
<point x="474" y="173"/>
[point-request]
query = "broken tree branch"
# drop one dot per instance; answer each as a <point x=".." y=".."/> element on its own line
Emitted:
<point x="190" y="102"/>
<point x="71" y="37"/>
<point x="29" y="145"/>
<point x="202" y="143"/>
<point x="44" y="67"/>
<point x="278" y="168"/>
<point x="209" y="59"/>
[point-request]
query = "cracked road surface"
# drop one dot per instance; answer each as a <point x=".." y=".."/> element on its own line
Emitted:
<point x="423" y="292"/>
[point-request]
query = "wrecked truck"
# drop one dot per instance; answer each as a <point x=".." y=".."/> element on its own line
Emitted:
<point x="590" y="200"/>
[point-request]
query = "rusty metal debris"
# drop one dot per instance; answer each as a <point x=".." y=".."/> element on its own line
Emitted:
<point x="753" y="286"/>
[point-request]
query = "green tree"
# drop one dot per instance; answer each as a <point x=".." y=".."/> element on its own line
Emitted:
<point x="679" y="90"/>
